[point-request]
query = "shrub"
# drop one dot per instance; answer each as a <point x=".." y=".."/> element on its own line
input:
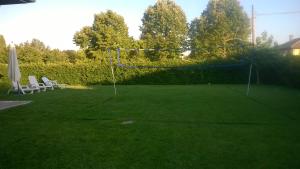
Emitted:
<point x="95" y="73"/>
<point x="272" y="68"/>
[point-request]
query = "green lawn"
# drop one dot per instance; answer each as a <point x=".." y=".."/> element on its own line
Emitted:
<point x="174" y="127"/>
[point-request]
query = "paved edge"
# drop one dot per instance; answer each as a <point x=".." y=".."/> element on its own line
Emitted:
<point x="10" y="104"/>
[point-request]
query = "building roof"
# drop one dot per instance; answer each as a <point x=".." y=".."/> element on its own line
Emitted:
<point x="292" y="44"/>
<point x="9" y="2"/>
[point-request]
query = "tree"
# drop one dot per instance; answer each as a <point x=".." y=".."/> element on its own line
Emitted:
<point x="74" y="56"/>
<point x="109" y="30"/>
<point x="264" y="53"/>
<point x="195" y="40"/>
<point x="265" y="41"/>
<point x="221" y="30"/>
<point x="3" y="50"/>
<point x="54" y="56"/>
<point x="164" y="27"/>
<point x="37" y="44"/>
<point x="33" y="51"/>
<point x="83" y="37"/>
<point x="36" y="51"/>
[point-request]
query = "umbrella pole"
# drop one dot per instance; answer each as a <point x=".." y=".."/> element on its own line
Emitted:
<point x="18" y="87"/>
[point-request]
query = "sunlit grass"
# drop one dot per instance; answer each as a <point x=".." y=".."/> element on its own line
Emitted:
<point x="79" y="87"/>
<point x="196" y="126"/>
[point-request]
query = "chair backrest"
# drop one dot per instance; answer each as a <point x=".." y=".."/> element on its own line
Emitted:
<point x="47" y="81"/>
<point x="33" y="81"/>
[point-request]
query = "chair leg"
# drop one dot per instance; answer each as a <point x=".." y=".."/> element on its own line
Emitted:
<point x="22" y="91"/>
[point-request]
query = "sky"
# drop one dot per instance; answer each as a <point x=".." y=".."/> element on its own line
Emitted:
<point x="55" y="22"/>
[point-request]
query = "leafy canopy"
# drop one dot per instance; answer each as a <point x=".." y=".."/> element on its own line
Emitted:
<point x="221" y="29"/>
<point x="35" y="51"/>
<point x="3" y="50"/>
<point x="109" y="30"/>
<point x="164" y="27"/>
<point x="265" y="41"/>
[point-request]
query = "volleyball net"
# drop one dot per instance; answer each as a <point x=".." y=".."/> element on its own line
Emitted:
<point x="226" y="71"/>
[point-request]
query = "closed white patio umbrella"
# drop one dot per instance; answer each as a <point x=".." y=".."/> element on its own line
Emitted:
<point x="14" y="73"/>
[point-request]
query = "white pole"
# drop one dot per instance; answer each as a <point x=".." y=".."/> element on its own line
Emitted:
<point x="249" y="79"/>
<point x="253" y="43"/>
<point x="112" y="72"/>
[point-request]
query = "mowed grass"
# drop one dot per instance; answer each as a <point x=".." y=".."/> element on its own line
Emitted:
<point x="170" y="127"/>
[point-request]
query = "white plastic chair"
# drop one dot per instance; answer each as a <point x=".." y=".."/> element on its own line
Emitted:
<point x="33" y="83"/>
<point x="53" y="83"/>
<point x="23" y="89"/>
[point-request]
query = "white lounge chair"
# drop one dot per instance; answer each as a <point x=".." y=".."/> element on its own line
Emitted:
<point x="48" y="84"/>
<point x="33" y="83"/>
<point x="53" y="83"/>
<point x="23" y="89"/>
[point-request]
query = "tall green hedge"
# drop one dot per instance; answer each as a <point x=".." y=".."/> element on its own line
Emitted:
<point x="95" y="73"/>
<point x="272" y="70"/>
<point x="79" y="73"/>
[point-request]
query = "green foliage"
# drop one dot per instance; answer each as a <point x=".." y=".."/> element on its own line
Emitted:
<point x="109" y="30"/>
<point x="74" y="56"/>
<point x="265" y="41"/>
<point x="164" y="27"/>
<point x="83" y="37"/>
<point x="36" y="52"/>
<point x="270" y="67"/>
<point x="55" y="55"/>
<point x="221" y="31"/>
<point x="3" y="50"/>
<point x="30" y="52"/>
<point x="195" y="39"/>
<point x="90" y="72"/>
<point x="64" y="72"/>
